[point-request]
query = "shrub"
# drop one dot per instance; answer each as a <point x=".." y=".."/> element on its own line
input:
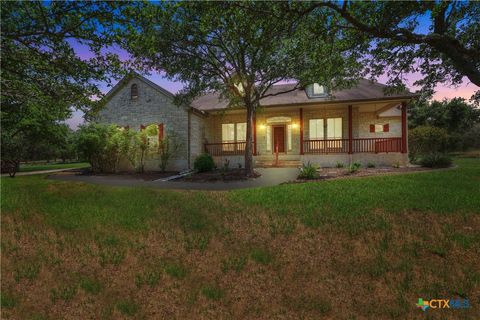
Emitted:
<point x="370" y="165"/>
<point x="103" y="146"/>
<point x="168" y="148"/>
<point x="339" y="165"/>
<point x="436" y="160"/>
<point x="203" y="163"/>
<point x="308" y="171"/>
<point x="425" y="140"/>
<point x="354" y="167"/>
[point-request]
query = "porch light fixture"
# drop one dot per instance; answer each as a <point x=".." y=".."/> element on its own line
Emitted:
<point x="262" y="126"/>
<point x="294" y="125"/>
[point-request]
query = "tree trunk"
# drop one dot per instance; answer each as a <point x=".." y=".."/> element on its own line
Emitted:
<point x="249" y="143"/>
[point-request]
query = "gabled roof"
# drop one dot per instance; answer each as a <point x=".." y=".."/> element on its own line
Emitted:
<point x="137" y="76"/>
<point x="365" y="90"/>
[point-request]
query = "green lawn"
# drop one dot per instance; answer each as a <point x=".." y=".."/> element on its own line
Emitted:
<point x="53" y="166"/>
<point x="364" y="248"/>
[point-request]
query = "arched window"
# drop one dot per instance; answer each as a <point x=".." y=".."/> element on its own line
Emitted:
<point x="134" y="92"/>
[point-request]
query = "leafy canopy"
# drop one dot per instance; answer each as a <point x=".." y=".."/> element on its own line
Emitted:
<point x="399" y="44"/>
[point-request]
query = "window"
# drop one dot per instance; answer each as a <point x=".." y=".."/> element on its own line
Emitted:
<point x="289" y="137"/>
<point x="379" y="127"/>
<point x="334" y="128"/>
<point x="241" y="131"/>
<point x="318" y="90"/>
<point x="134" y="92"/>
<point x="315" y="129"/>
<point x="241" y="134"/>
<point x="228" y="135"/>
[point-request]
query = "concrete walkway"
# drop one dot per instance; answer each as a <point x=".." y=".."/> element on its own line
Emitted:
<point x="270" y="177"/>
<point x="31" y="173"/>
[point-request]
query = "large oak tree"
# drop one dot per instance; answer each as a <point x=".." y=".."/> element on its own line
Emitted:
<point x="238" y="50"/>
<point x="42" y="77"/>
<point x="438" y="39"/>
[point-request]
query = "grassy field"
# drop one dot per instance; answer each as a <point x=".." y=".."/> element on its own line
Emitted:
<point x="363" y="248"/>
<point x="53" y="166"/>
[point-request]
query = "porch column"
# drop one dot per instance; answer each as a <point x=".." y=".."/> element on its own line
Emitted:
<point x="255" y="135"/>
<point x="301" y="130"/>
<point x="350" y="131"/>
<point x="404" y="127"/>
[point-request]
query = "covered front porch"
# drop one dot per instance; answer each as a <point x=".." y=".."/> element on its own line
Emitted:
<point x="321" y="134"/>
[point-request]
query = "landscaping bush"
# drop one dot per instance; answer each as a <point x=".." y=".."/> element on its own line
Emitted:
<point x="370" y="165"/>
<point x="308" y="171"/>
<point x="203" y="163"/>
<point x="436" y="160"/>
<point x="168" y="148"/>
<point x="340" y="165"/>
<point x="425" y="140"/>
<point x="354" y="167"/>
<point x="93" y="144"/>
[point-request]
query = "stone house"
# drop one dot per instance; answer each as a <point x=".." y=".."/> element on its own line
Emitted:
<point x="361" y="124"/>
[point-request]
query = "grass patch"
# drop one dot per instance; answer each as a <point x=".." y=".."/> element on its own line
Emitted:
<point x="64" y="292"/>
<point x="150" y="278"/>
<point x="364" y="240"/>
<point x="261" y="256"/>
<point x="27" y="270"/>
<point x="128" y="307"/>
<point x="212" y="292"/>
<point x="91" y="285"/>
<point x="234" y="263"/>
<point x="8" y="300"/>
<point x="176" y="270"/>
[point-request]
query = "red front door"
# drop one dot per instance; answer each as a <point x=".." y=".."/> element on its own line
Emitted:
<point x="279" y="138"/>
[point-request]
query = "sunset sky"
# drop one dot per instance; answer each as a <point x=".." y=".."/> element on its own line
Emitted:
<point x="465" y="90"/>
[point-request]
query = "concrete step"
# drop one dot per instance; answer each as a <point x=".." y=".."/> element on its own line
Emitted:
<point x="280" y="157"/>
<point x="281" y="163"/>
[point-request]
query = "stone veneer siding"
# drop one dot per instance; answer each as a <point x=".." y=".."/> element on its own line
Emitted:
<point x="151" y="107"/>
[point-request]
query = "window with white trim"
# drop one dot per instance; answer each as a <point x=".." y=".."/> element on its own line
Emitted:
<point x="241" y="134"/>
<point x="289" y="136"/>
<point x="318" y="90"/>
<point x="334" y="128"/>
<point x="315" y="128"/>
<point x="228" y="135"/>
<point x="241" y="131"/>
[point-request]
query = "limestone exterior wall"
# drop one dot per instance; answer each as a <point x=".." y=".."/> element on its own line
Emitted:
<point x="197" y="136"/>
<point x="151" y="107"/>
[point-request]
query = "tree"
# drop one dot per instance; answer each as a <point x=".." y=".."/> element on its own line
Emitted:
<point x="42" y="78"/>
<point x="439" y="39"/>
<point x="234" y="48"/>
<point x="455" y="115"/>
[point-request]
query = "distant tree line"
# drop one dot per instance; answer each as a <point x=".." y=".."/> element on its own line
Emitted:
<point x="442" y="126"/>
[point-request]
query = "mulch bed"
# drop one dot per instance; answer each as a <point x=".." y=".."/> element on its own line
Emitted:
<point x="337" y="173"/>
<point x="146" y="176"/>
<point x="218" y="175"/>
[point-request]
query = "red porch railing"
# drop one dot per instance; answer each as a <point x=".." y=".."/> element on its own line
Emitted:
<point x="225" y="148"/>
<point x="325" y="146"/>
<point x="360" y="145"/>
<point x="376" y="145"/>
